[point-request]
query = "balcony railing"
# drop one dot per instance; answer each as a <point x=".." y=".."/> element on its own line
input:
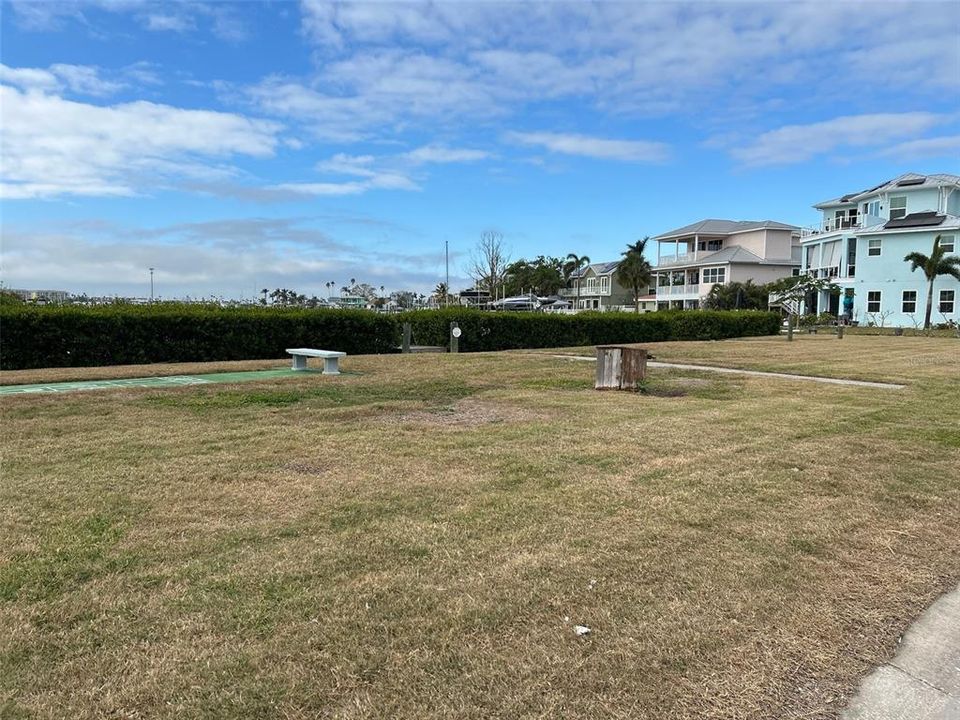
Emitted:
<point x="829" y="225"/>
<point x="585" y="291"/>
<point x="676" y="290"/>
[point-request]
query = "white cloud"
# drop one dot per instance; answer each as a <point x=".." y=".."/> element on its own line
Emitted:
<point x="799" y="143"/>
<point x="600" y="148"/>
<point x="85" y="80"/>
<point x="645" y="58"/>
<point x="343" y="164"/>
<point x="947" y="146"/>
<point x="233" y="257"/>
<point x="179" y="16"/>
<point x="169" y="23"/>
<point x="80" y="79"/>
<point x="54" y="146"/>
<point x="440" y="154"/>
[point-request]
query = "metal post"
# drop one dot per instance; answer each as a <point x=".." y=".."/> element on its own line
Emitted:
<point x="446" y="251"/>
<point x="406" y="338"/>
<point x="151" y="284"/>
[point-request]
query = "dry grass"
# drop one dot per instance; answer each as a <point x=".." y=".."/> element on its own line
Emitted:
<point x="857" y="357"/>
<point x="418" y="540"/>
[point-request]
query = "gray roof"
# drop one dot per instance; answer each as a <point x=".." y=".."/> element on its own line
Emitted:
<point x="734" y="255"/>
<point x="604" y="268"/>
<point x="910" y="180"/>
<point x="723" y="227"/>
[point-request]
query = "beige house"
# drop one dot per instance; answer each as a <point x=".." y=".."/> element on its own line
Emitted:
<point x="692" y="259"/>
<point x="600" y="289"/>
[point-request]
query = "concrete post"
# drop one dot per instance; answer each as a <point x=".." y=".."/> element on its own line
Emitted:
<point x="407" y="330"/>
<point x="454" y="338"/>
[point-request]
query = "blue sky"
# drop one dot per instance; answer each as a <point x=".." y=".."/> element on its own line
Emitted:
<point x="235" y="146"/>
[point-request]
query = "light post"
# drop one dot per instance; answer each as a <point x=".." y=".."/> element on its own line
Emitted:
<point x="151" y="285"/>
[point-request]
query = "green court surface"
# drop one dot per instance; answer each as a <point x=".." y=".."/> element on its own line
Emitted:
<point x="152" y="382"/>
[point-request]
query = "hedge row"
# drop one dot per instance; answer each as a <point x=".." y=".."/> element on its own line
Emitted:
<point x="32" y="337"/>
<point x="506" y="331"/>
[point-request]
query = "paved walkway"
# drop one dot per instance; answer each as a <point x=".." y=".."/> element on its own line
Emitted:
<point x="151" y="382"/>
<point x="758" y="373"/>
<point x="922" y="681"/>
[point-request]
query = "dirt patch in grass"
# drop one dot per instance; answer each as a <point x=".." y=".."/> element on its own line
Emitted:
<point x="467" y="413"/>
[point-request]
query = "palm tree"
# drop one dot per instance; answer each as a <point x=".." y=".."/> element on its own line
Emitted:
<point x="634" y="270"/>
<point x="575" y="263"/>
<point x="938" y="263"/>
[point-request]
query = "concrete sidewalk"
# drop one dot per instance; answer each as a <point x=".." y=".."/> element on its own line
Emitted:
<point x="922" y="681"/>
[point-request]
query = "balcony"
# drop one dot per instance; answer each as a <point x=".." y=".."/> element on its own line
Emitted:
<point x="830" y="225"/>
<point x="585" y="291"/>
<point x="678" y="292"/>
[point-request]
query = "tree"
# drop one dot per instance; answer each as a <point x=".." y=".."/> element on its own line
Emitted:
<point x="403" y="298"/>
<point x="937" y="263"/>
<point x="488" y="262"/>
<point x="542" y="276"/>
<point x="789" y="292"/>
<point x="634" y="270"/>
<point x="737" y="296"/>
<point x="442" y="294"/>
<point x="573" y="266"/>
<point x="10" y="298"/>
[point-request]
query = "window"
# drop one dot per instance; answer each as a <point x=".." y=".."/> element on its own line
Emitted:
<point x="872" y="208"/>
<point x="873" y="301"/>
<point x="874" y="245"/>
<point x="947" y="298"/>
<point x="795" y="272"/>
<point x="909" y="301"/>
<point x="947" y="243"/>
<point x="898" y="207"/>
<point x="710" y="244"/>
<point x="714" y="275"/>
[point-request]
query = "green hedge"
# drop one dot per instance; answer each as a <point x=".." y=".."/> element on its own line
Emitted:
<point x="484" y="331"/>
<point x="32" y="337"/>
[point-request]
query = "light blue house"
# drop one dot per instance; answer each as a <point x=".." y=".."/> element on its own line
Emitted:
<point x="861" y="242"/>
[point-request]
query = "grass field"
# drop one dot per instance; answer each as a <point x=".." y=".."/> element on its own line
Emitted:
<point x="418" y="539"/>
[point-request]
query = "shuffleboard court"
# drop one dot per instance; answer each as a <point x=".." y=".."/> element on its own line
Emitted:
<point x="149" y="382"/>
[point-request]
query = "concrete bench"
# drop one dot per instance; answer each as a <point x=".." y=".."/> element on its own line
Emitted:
<point x="331" y="359"/>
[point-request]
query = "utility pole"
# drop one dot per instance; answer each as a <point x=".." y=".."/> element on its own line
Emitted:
<point x="446" y="252"/>
<point x="151" y="285"/>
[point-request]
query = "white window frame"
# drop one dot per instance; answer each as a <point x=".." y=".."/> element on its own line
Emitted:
<point x="941" y="302"/>
<point x="713" y="276"/>
<point x="878" y="301"/>
<point x="950" y="244"/>
<point x="897" y="198"/>
<point x="904" y="301"/>
<point x="874" y="244"/>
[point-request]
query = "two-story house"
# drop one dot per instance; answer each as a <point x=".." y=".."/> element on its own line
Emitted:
<point x="692" y="259"/>
<point x="597" y="287"/>
<point x="861" y="242"/>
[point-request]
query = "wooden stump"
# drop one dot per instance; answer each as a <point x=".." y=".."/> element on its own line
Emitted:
<point x="620" y="367"/>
